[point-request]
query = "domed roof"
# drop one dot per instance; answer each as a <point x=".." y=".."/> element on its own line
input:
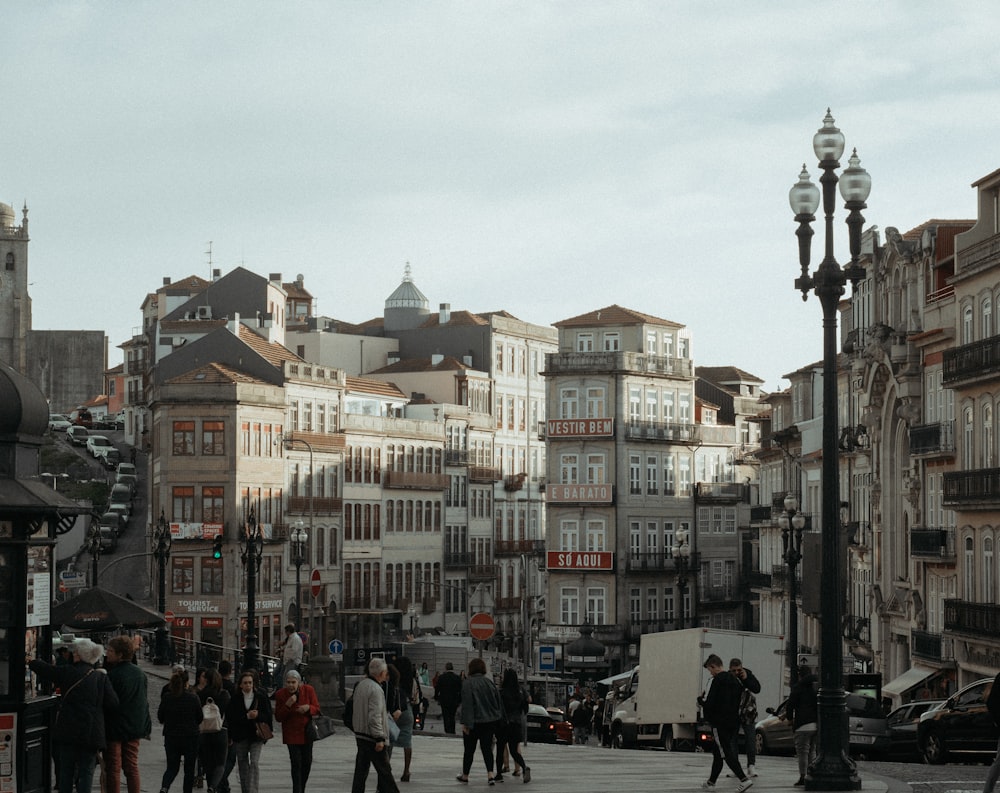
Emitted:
<point x="586" y="648"/>
<point x="407" y="295"/>
<point x="24" y="410"/>
<point x="6" y="215"/>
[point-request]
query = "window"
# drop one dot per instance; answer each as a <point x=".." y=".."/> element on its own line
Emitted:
<point x="668" y="604"/>
<point x="635" y="539"/>
<point x="569" y="465"/>
<point x="612" y="342"/>
<point x="652" y="604"/>
<point x="634" y="605"/>
<point x="183" y="437"/>
<point x="596" y="535"/>
<point x="569" y="407"/>
<point x="634" y="474"/>
<point x="212" y="505"/>
<point x="652" y="538"/>
<point x="595" y="403"/>
<point x="967" y="325"/>
<point x="182" y="575"/>
<point x="569" y="535"/>
<point x="650" y="343"/>
<point x="988" y="582"/>
<point x="635" y="405"/>
<point x="669" y="483"/>
<point x="597" y="605"/>
<point x="652" y="475"/>
<point x="668" y="407"/>
<point x="213" y="438"/>
<point x="183" y="509"/>
<point x="970" y="571"/>
<point x="211" y="576"/>
<point x="585" y="342"/>
<point x="651" y="406"/>
<point x="596" y="474"/>
<point x="569" y="605"/>
<point x="987" y="314"/>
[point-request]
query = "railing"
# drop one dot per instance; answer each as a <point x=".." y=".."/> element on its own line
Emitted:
<point x="364" y="602"/>
<point x="319" y="441"/>
<point x="321" y="505"/>
<point x="718" y="594"/>
<point x="653" y="561"/>
<point x="962" y="616"/>
<point x="977" y="360"/>
<point x="456" y="457"/>
<point x="414" y="480"/>
<point x="720" y="491"/>
<point x="482" y="571"/>
<point x="933" y="438"/>
<point x="565" y="362"/>
<point x="761" y="514"/>
<point x="637" y="628"/>
<point x="484" y="474"/>
<point x="457" y="558"/>
<point x="759" y="580"/>
<point x="968" y="488"/>
<point x="933" y="543"/>
<point x="514" y="547"/>
<point x="660" y="431"/>
<point x="927" y="645"/>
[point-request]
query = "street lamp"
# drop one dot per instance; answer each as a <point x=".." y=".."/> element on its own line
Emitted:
<point x="298" y="538"/>
<point x="792" y="523"/>
<point x="833" y="769"/>
<point x="286" y="443"/>
<point x="251" y="551"/>
<point x="55" y="478"/>
<point x="94" y="548"/>
<point x="161" y="550"/>
<point x="682" y="559"/>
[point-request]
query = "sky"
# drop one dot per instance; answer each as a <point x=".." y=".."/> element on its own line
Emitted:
<point x="543" y="158"/>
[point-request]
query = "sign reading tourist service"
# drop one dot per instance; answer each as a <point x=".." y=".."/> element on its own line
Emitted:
<point x="580" y="428"/>
<point x="580" y="560"/>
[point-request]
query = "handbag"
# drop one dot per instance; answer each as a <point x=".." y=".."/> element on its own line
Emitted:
<point x="264" y="731"/>
<point x="319" y="727"/>
<point x="393" y="728"/>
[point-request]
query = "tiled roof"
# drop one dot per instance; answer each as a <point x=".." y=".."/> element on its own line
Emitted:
<point x="447" y="364"/>
<point x="725" y="374"/>
<point x="191" y="325"/>
<point x="116" y="369"/>
<point x="214" y="373"/>
<point x="190" y="284"/>
<point x="457" y="319"/>
<point x="364" y="385"/>
<point x="614" y="315"/>
<point x="917" y="231"/>
<point x="272" y="352"/>
<point x="505" y="314"/>
<point x="293" y="290"/>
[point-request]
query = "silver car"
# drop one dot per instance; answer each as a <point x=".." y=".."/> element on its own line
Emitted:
<point x="869" y="734"/>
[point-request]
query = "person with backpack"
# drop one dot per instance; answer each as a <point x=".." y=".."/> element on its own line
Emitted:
<point x="748" y="709"/>
<point x="180" y="714"/>
<point x="721" y="708"/>
<point x="294" y="707"/>
<point x="213" y="743"/>
<point x="509" y="735"/>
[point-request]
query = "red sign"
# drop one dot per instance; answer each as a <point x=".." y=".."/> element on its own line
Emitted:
<point x="316" y="584"/>
<point x="579" y="494"/>
<point x="580" y="560"/>
<point x="482" y="626"/>
<point x="580" y="428"/>
<point x="168" y="616"/>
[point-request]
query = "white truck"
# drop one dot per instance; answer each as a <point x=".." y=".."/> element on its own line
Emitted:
<point x="663" y="711"/>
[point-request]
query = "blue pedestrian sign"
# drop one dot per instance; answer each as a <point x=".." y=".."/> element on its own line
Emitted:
<point x="336" y="647"/>
<point x="546" y="659"/>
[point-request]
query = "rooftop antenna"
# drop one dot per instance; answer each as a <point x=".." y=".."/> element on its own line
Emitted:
<point x="209" y="253"/>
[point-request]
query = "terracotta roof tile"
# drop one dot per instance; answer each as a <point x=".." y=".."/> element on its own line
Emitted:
<point x="457" y="319"/>
<point x="191" y="325"/>
<point x="272" y="352"/>
<point x="190" y="284"/>
<point x="725" y="374"/>
<point x="364" y="385"/>
<point x="614" y="315"/>
<point x="214" y="373"/>
<point x="447" y="364"/>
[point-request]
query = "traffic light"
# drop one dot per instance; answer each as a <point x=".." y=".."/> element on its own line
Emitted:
<point x="217" y="547"/>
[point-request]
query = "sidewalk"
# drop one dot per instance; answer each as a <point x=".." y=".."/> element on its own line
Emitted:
<point x="437" y="759"/>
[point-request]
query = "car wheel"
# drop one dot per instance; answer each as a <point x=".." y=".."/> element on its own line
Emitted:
<point x="617" y="739"/>
<point x="667" y="739"/>
<point x="934" y="749"/>
<point x="760" y="742"/>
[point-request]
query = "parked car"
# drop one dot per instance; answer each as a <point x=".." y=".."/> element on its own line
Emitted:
<point x="59" y="423"/>
<point x="122" y="509"/>
<point x="109" y="421"/>
<point x="109" y="540"/>
<point x="902" y="724"/>
<point x="121" y="493"/>
<point x="82" y="417"/>
<point x="111" y="458"/>
<point x="114" y="521"/>
<point x="548" y="726"/>
<point x="869" y="734"/>
<point x="78" y="435"/>
<point x="126" y="475"/>
<point x="961" y="726"/>
<point x="97" y="445"/>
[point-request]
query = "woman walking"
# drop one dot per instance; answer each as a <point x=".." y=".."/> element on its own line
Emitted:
<point x="247" y="709"/>
<point x="409" y="693"/>
<point x="213" y="746"/>
<point x="180" y="715"/>
<point x="509" y="735"/>
<point x="294" y="707"/>
<point x="481" y="713"/>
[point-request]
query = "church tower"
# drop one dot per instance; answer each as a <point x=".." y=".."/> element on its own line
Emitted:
<point x="15" y="305"/>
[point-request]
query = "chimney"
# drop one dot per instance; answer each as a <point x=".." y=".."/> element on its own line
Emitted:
<point x="216" y="274"/>
<point x="467" y="360"/>
<point x="234" y="324"/>
<point x="436" y="358"/>
<point x="444" y="313"/>
<point x="274" y="278"/>
<point x="166" y="280"/>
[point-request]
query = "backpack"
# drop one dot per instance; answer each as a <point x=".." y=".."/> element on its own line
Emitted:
<point x="349" y="713"/>
<point x="748" y="707"/>
<point x="211" y="716"/>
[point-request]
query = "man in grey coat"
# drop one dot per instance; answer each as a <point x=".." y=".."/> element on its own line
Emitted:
<point x="371" y="730"/>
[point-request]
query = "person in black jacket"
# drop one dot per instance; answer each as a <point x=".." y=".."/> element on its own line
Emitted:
<point x="86" y="696"/>
<point x="250" y="706"/>
<point x="213" y="748"/>
<point x="748" y="714"/>
<point x="448" y="693"/>
<point x="802" y="711"/>
<point x="180" y="715"/>
<point x="721" y="709"/>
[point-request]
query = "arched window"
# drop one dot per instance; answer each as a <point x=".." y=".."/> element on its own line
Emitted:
<point x="987" y="316"/>
<point x="967" y="325"/>
<point x="988" y="579"/>
<point x="9" y="264"/>
<point x="969" y="573"/>
<point x="968" y="438"/>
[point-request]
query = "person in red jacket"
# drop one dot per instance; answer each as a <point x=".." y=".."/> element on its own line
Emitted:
<point x="294" y="707"/>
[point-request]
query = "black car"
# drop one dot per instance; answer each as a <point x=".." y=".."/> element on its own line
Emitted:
<point x="546" y="726"/>
<point x="960" y="727"/>
<point x="902" y="724"/>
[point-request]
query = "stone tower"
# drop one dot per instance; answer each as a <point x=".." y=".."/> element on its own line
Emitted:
<point x="15" y="305"/>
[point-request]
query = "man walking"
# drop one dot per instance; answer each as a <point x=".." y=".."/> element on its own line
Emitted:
<point x="371" y="730"/>
<point x="748" y="709"/>
<point x="291" y="654"/>
<point x="803" y="712"/>
<point x="721" y="709"/>
<point x="131" y="723"/>
<point x="448" y="693"/>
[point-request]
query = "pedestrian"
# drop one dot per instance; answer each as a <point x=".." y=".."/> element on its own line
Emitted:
<point x="248" y="709"/>
<point x="425" y="674"/>
<point x="86" y="698"/>
<point x="371" y="730"/>
<point x="802" y="711"/>
<point x="213" y="745"/>
<point x="226" y="673"/>
<point x="448" y="693"/>
<point x="180" y="715"/>
<point x="721" y="708"/>
<point x="131" y="455"/>
<point x="580" y="718"/>
<point x="294" y="707"/>
<point x="409" y="697"/>
<point x="482" y="713"/>
<point x="291" y="651"/>
<point x="132" y="721"/>
<point x="515" y="702"/>
<point x="748" y="709"/>
<point x="394" y="706"/>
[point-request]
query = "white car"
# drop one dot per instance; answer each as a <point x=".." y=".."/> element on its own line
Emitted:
<point x="59" y="423"/>
<point x="98" y="446"/>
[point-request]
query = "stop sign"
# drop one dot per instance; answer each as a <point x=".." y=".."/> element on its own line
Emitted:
<point x="482" y="626"/>
<point x="168" y="616"/>
<point x="316" y="583"/>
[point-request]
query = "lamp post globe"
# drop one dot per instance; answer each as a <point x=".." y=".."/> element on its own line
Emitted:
<point x="298" y="538"/>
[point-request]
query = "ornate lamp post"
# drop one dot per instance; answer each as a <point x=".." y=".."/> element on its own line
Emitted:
<point x="287" y="443"/>
<point x="251" y="551"/>
<point x="161" y="551"/>
<point x="94" y="548"/>
<point x="682" y="559"/>
<point x="833" y="769"/>
<point x="792" y="523"/>
<point x="298" y="539"/>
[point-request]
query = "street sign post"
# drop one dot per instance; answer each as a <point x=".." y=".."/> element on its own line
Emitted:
<point x="317" y="583"/>
<point x="482" y="626"/>
<point x="547" y="658"/>
<point x="336" y="647"/>
<point x="168" y="616"/>
<point x="73" y="579"/>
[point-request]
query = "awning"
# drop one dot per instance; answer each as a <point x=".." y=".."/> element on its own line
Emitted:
<point x="906" y="681"/>
<point x="610" y="681"/>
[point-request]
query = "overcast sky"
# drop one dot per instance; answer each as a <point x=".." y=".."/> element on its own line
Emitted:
<point x="543" y="158"/>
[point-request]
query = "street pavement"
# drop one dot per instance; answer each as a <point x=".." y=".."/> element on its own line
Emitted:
<point x="437" y="759"/>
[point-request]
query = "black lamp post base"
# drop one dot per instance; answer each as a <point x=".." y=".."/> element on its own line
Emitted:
<point x="161" y="650"/>
<point x="833" y="773"/>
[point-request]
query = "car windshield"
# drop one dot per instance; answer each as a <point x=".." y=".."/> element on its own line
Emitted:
<point x="99" y="440"/>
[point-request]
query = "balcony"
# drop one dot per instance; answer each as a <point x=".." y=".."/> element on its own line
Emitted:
<point x="517" y="547"/>
<point x="456" y="457"/>
<point x="976" y="362"/>
<point x="661" y="431"/>
<point x="321" y="505"/>
<point x="650" y="561"/>
<point x="620" y="361"/>
<point x="720" y="492"/>
<point x="636" y="629"/>
<point x="978" y="489"/>
<point x="718" y="595"/>
<point x="414" y="480"/>
<point x="930" y="646"/>
<point x="482" y="572"/>
<point x="484" y="474"/>
<point x="977" y="619"/>
<point x="761" y="514"/>
<point x="317" y="441"/>
<point x="457" y="558"/>
<point x="932" y="440"/>
<point x="932" y="543"/>
<point x="758" y="580"/>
